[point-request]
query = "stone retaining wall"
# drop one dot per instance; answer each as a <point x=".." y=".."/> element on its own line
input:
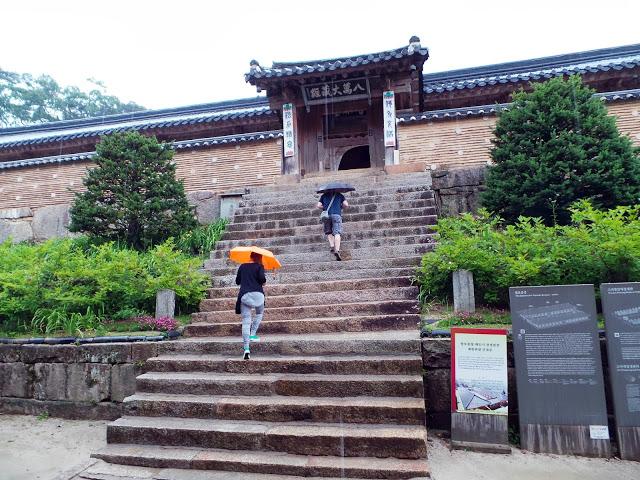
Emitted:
<point x="71" y="381"/>
<point x="458" y="190"/>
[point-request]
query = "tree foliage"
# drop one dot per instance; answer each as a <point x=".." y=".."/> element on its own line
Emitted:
<point x="556" y="145"/>
<point x="25" y="99"/>
<point x="132" y="194"/>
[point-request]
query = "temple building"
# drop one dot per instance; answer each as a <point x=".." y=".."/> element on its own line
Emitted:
<point x="376" y="111"/>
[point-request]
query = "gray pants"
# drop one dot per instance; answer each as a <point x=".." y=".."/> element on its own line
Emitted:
<point x="248" y="302"/>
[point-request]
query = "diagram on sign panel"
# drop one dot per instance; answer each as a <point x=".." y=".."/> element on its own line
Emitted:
<point x="629" y="315"/>
<point x="550" y="316"/>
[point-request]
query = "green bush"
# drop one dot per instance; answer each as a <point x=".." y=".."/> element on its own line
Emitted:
<point x="71" y="284"/>
<point x="202" y="240"/>
<point x="599" y="246"/>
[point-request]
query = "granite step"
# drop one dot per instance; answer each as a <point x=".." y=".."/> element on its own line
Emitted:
<point x="311" y="210"/>
<point x="387" y="307"/>
<point x="316" y="228"/>
<point x="360" y="189"/>
<point x="221" y="464"/>
<point x="348" y="254"/>
<point x="272" y="291"/>
<point x="319" y="239"/>
<point x="374" y="364"/>
<point x="309" y="326"/>
<point x="394" y="342"/>
<point x="312" y="219"/>
<point x="302" y="298"/>
<point x="355" y="198"/>
<point x="385" y="410"/>
<point x="300" y="438"/>
<point x="331" y="266"/>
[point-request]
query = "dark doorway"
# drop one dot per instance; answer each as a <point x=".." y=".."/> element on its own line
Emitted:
<point x="357" y="157"/>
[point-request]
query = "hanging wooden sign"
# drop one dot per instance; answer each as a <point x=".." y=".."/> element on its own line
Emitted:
<point x="336" y="91"/>
<point x="389" y="118"/>
<point x="287" y="127"/>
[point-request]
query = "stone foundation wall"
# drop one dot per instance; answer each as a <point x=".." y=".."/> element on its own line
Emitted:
<point x="71" y="381"/>
<point x="458" y="190"/>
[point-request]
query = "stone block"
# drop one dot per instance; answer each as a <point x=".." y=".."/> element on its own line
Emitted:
<point x="123" y="381"/>
<point x="15" y="380"/>
<point x="104" y="353"/>
<point x="437" y="390"/>
<point x="10" y="353"/>
<point x="50" y="381"/>
<point x="463" y="296"/>
<point x="62" y="409"/>
<point x="207" y="205"/>
<point x="51" y="221"/>
<point x="141" y="351"/>
<point x="49" y="353"/>
<point x="15" y="213"/>
<point x="88" y="382"/>
<point x="436" y="352"/>
<point x="165" y="303"/>
<point x="17" y="231"/>
<point x="459" y="177"/>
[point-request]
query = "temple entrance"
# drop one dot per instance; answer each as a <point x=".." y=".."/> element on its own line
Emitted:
<point x="357" y="157"/>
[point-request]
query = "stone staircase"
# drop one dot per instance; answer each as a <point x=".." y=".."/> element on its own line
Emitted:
<point x="334" y="389"/>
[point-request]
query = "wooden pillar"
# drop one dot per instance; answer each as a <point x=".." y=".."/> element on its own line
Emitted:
<point x="291" y="158"/>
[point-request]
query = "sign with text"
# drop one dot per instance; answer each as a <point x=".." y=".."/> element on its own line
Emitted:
<point x="557" y="356"/>
<point x="287" y="130"/>
<point x="621" y="308"/>
<point x="336" y="91"/>
<point x="389" y="116"/>
<point x="479" y="371"/>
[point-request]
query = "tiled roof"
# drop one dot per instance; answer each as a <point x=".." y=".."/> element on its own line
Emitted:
<point x="93" y="127"/>
<point x="486" y="110"/>
<point x="603" y="60"/>
<point x="287" y="69"/>
<point x="201" y="142"/>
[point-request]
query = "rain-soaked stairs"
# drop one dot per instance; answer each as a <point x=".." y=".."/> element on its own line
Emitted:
<point x="334" y="389"/>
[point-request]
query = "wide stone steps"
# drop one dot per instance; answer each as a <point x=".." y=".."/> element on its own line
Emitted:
<point x="364" y="196"/>
<point x="300" y="438"/>
<point x="318" y="239"/>
<point x="310" y="326"/>
<point x="221" y="464"/>
<point x="387" y="307"/>
<point x="218" y="383"/>
<point x="313" y="219"/>
<point x="389" y="342"/>
<point x="417" y="221"/>
<point x="273" y="291"/>
<point x="373" y="364"/>
<point x="335" y="268"/>
<point x="228" y="279"/>
<point x="312" y="211"/>
<point x="302" y="298"/>
<point x="388" y="410"/>
<point x="324" y="255"/>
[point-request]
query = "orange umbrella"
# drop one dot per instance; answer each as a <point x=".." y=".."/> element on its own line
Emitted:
<point x="243" y="255"/>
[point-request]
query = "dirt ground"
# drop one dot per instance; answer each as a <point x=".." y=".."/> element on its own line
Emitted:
<point x="55" y="449"/>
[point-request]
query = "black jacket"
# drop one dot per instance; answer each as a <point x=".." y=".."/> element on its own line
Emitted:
<point x="251" y="278"/>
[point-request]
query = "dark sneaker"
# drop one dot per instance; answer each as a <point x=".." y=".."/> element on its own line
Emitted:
<point x="338" y="257"/>
<point x="332" y="250"/>
<point x="247" y="355"/>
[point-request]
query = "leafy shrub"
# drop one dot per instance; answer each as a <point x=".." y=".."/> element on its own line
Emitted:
<point x="71" y="285"/>
<point x="599" y="246"/>
<point x="202" y="240"/>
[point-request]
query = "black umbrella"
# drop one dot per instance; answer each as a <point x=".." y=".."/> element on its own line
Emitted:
<point x="341" y="187"/>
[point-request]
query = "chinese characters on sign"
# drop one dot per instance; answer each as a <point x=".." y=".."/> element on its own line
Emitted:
<point x="287" y="127"/>
<point x="389" y="113"/>
<point x="479" y="373"/>
<point x="349" y="89"/>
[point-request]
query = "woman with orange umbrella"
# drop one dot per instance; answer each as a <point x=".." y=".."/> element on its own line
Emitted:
<point x="251" y="278"/>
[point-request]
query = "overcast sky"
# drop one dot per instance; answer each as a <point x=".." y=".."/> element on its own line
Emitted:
<point x="165" y="53"/>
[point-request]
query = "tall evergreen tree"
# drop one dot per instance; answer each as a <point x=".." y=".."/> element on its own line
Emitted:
<point x="555" y="145"/>
<point x="132" y="194"/>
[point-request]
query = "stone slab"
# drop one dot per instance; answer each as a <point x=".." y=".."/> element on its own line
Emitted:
<point x="16" y="231"/>
<point x="51" y="221"/>
<point x="62" y="408"/>
<point x="15" y="213"/>
<point x="50" y="381"/>
<point x="123" y="381"/>
<point x="165" y="303"/>
<point x="88" y="382"/>
<point x="16" y="380"/>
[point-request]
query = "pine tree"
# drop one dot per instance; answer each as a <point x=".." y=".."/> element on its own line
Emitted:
<point x="556" y="145"/>
<point x="132" y="194"/>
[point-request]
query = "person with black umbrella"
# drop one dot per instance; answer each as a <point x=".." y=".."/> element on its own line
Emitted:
<point x="332" y="202"/>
